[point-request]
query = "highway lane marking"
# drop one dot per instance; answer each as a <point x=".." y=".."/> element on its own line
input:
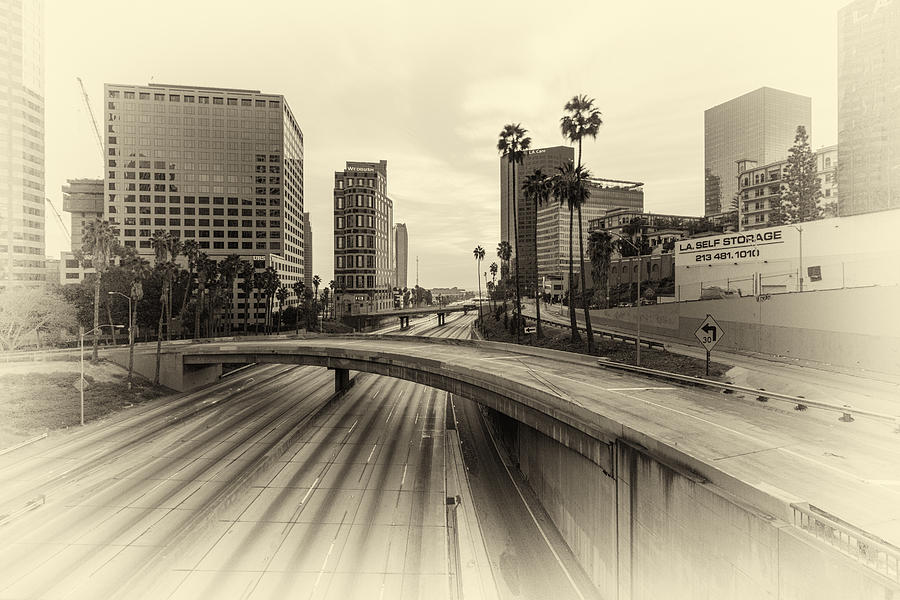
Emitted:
<point x="403" y="479"/>
<point x="371" y="453"/>
<point x="637" y="389"/>
<point x="309" y="491"/>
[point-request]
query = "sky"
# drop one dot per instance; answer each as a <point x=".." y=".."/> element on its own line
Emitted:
<point x="428" y="86"/>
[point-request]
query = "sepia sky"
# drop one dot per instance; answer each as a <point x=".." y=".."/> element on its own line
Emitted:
<point x="429" y="85"/>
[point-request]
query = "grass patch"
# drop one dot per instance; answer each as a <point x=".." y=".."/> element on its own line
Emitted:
<point x="48" y="399"/>
<point x="557" y="338"/>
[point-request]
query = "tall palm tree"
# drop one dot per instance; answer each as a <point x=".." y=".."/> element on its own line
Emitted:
<point x="138" y="270"/>
<point x="298" y="287"/>
<point x="205" y="271"/>
<point x="174" y="246"/>
<point x="190" y="249"/>
<point x="537" y="187"/>
<point x="259" y="284"/>
<point x="582" y="121"/>
<point x="164" y="264"/>
<point x="479" y="256"/>
<point x="493" y="270"/>
<point x="246" y="273"/>
<point x="504" y="253"/>
<point x="566" y="187"/>
<point x="229" y="268"/>
<point x="282" y="295"/>
<point x="332" y="285"/>
<point x="512" y="144"/>
<point x="99" y="243"/>
<point x="316" y="281"/>
<point x="271" y="282"/>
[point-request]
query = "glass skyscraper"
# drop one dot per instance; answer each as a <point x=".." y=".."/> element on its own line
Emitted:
<point x="758" y="126"/>
<point x="869" y="106"/>
<point x="22" y="241"/>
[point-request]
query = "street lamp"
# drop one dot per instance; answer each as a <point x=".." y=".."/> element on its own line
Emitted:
<point x="81" y="334"/>
<point x="640" y="274"/>
<point x="799" y="228"/>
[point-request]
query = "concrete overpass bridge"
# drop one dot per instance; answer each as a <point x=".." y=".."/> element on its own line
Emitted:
<point x="659" y="490"/>
<point x="405" y="313"/>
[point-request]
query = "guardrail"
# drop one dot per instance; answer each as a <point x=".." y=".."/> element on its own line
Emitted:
<point x="868" y="550"/>
<point x="613" y="335"/>
<point x="847" y="411"/>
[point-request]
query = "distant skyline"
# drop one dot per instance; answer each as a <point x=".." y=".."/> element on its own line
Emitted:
<point x="429" y="89"/>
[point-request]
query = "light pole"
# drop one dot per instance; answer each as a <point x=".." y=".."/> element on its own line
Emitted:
<point x="130" y="335"/>
<point x="799" y="228"/>
<point x="640" y="274"/>
<point x="81" y="334"/>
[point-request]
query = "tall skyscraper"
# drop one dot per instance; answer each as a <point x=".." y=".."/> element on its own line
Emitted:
<point x="553" y="223"/>
<point x="22" y="241"/>
<point x="759" y="126"/>
<point x="868" y="106"/>
<point x="220" y="166"/>
<point x="547" y="160"/>
<point x="363" y="240"/>
<point x="401" y="255"/>
<point x="307" y="252"/>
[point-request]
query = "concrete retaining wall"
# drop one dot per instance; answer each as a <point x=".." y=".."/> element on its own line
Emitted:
<point x="173" y="373"/>
<point x="653" y="532"/>
<point x="854" y="328"/>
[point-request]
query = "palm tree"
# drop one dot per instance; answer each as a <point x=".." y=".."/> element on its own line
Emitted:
<point x="206" y="269"/>
<point x="259" y="283"/>
<point x="99" y="243"/>
<point x="479" y="256"/>
<point x="582" y="121"/>
<point x="282" y="295"/>
<point x="298" y="287"/>
<point x="600" y="248"/>
<point x="512" y="144"/>
<point x="537" y="188"/>
<point x="190" y="249"/>
<point x="504" y="253"/>
<point x="174" y="246"/>
<point x="271" y="282"/>
<point x="246" y="273"/>
<point x="332" y="285"/>
<point x="316" y="281"/>
<point x="229" y="268"/>
<point x="566" y="186"/>
<point x="160" y="244"/>
<point x="493" y="269"/>
<point x="138" y="270"/>
<point x="325" y="302"/>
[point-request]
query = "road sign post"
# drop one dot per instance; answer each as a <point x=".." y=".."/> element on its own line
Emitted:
<point x="709" y="333"/>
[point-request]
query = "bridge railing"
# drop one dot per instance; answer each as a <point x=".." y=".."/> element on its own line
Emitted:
<point x="868" y="550"/>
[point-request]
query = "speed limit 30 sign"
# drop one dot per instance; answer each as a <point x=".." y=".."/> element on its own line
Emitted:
<point x="709" y="333"/>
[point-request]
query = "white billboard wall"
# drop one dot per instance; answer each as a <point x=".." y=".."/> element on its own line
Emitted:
<point x="839" y="252"/>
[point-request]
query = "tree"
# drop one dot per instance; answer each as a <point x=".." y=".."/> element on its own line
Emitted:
<point x="165" y="265"/>
<point x="190" y="250"/>
<point x="504" y="253"/>
<point x="332" y="285"/>
<point x="246" y="272"/>
<point x="173" y="245"/>
<point x="512" y="144"/>
<point x="493" y="269"/>
<point x="600" y="248"/>
<point x="26" y="311"/>
<point x="229" y="269"/>
<point x="316" y="281"/>
<point x="298" y="287"/>
<point x="479" y="256"/>
<point x="566" y="186"/>
<point x="206" y="270"/>
<point x="537" y="187"/>
<point x="271" y="283"/>
<point x="582" y="121"/>
<point x="800" y="188"/>
<point x="282" y="295"/>
<point x="99" y="243"/>
<point x="138" y="270"/>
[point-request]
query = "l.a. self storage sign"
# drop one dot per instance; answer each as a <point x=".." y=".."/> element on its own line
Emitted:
<point x="773" y="243"/>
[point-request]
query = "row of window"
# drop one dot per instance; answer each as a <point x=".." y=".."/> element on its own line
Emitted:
<point x="359" y="282"/>
<point x="205" y="245"/>
<point x="189" y="155"/>
<point x="203" y="233"/>
<point x="359" y="220"/>
<point x="358" y="241"/>
<point x="359" y="261"/>
<point x="189" y="99"/>
<point x="232" y="201"/>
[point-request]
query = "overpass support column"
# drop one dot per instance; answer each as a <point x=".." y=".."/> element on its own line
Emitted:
<point x="341" y="380"/>
<point x="404" y="322"/>
<point x="442" y="318"/>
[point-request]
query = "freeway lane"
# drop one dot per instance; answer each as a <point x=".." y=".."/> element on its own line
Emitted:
<point x="851" y="470"/>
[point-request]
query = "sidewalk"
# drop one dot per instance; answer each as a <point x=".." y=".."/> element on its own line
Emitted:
<point x="809" y="379"/>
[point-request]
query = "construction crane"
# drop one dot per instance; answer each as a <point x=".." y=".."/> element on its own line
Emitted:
<point x="59" y="216"/>
<point x="87" y="102"/>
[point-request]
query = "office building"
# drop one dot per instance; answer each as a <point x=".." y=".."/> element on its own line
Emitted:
<point x="307" y="252"/>
<point x="758" y="185"/>
<point x="548" y="160"/>
<point x="401" y="255"/>
<point x="759" y="126"/>
<point x="22" y="241"/>
<point x="83" y="199"/>
<point x="223" y="167"/>
<point x="868" y="106"/>
<point x="553" y="224"/>
<point x="363" y="240"/>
